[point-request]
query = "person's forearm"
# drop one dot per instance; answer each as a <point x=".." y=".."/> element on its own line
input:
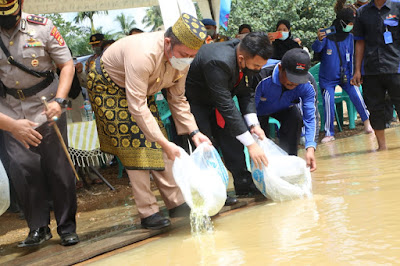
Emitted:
<point x="6" y="122"/>
<point x="66" y="76"/>
<point x="163" y="142"/>
<point x="360" y="46"/>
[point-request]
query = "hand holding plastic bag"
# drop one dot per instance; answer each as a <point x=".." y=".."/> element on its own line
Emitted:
<point x="286" y="177"/>
<point x="202" y="178"/>
<point x="4" y="190"/>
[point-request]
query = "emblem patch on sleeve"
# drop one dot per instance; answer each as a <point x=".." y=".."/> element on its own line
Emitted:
<point x="56" y="34"/>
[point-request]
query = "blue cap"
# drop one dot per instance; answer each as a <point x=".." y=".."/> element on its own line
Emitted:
<point x="208" y="21"/>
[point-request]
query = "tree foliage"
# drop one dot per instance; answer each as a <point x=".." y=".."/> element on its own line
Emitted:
<point x="126" y="23"/>
<point x="153" y="18"/>
<point x="76" y="38"/>
<point x="82" y="16"/>
<point x="306" y="16"/>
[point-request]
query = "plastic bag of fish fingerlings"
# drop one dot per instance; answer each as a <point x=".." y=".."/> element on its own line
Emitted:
<point x="4" y="190"/>
<point x="202" y="178"/>
<point x="287" y="177"/>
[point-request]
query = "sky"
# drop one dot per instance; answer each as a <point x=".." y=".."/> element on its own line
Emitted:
<point x="108" y="21"/>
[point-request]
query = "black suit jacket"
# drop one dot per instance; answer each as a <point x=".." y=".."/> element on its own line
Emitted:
<point x="211" y="81"/>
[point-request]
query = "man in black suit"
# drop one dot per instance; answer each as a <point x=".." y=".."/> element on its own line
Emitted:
<point x="219" y="72"/>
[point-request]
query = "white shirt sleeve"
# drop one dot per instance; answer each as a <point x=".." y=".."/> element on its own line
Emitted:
<point x="251" y="119"/>
<point x="246" y="139"/>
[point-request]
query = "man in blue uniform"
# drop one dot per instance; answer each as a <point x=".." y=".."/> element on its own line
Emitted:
<point x="279" y="88"/>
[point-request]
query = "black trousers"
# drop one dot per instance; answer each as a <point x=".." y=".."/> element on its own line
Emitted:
<point x="231" y="148"/>
<point x="388" y="110"/>
<point x="290" y="130"/>
<point x="374" y="92"/>
<point x="43" y="173"/>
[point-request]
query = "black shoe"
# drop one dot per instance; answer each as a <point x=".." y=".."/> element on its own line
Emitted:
<point x="249" y="192"/>
<point x="230" y="201"/>
<point x="36" y="237"/>
<point x="182" y="210"/>
<point x="155" y="221"/>
<point x="69" y="239"/>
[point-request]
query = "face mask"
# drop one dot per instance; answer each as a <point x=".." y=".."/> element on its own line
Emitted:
<point x="362" y="1"/>
<point x="97" y="50"/>
<point x="346" y="28"/>
<point x="180" y="63"/>
<point x="250" y="72"/>
<point x="8" y="22"/>
<point x="285" y="35"/>
<point x="211" y="32"/>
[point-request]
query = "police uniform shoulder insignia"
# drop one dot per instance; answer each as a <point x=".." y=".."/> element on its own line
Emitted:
<point x="56" y="34"/>
<point x="36" y="19"/>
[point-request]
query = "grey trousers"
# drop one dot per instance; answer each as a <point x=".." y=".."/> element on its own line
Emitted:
<point x="41" y="174"/>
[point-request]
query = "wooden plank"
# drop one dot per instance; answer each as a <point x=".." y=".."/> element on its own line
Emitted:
<point x="54" y="254"/>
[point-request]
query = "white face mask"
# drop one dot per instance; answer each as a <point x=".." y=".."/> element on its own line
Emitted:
<point x="180" y="63"/>
<point x="285" y="35"/>
<point x="363" y="1"/>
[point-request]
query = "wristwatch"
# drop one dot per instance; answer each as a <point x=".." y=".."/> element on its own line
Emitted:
<point x="254" y="125"/>
<point x="194" y="132"/>
<point x="64" y="103"/>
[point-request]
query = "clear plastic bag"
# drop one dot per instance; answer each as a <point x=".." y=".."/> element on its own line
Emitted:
<point x="202" y="178"/>
<point x="4" y="190"/>
<point x="286" y="177"/>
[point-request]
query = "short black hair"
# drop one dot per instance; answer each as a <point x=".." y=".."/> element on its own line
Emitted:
<point x="105" y="43"/>
<point x="135" y="30"/>
<point x="256" y="43"/>
<point x="244" y="26"/>
<point x="174" y="40"/>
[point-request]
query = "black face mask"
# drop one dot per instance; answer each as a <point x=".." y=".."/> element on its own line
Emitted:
<point x="250" y="72"/>
<point x="8" y="22"/>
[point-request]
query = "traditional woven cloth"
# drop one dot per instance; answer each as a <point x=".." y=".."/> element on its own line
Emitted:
<point x="117" y="129"/>
<point x="84" y="146"/>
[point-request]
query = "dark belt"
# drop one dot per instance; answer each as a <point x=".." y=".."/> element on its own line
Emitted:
<point x="24" y="93"/>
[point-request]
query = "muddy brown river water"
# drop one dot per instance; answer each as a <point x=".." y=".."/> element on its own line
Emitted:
<point x="352" y="219"/>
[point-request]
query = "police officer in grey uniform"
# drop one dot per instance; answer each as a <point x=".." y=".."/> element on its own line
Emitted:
<point x="30" y="46"/>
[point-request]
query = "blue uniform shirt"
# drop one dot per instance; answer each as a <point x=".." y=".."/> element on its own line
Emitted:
<point x="272" y="97"/>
